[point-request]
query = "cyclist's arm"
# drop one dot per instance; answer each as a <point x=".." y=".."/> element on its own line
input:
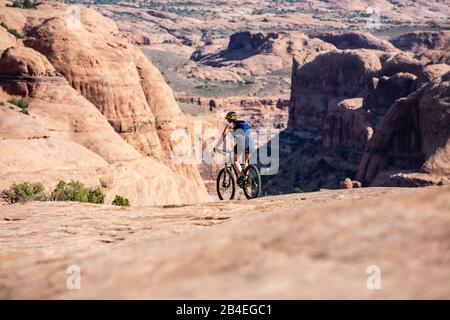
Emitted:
<point x="222" y="137"/>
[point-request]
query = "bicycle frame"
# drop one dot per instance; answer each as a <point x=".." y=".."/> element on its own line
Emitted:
<point x="230" y="161"/>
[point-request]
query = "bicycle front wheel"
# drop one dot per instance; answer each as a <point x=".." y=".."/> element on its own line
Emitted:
<point x="252" y="185"/>
<point x="225" y="184"/>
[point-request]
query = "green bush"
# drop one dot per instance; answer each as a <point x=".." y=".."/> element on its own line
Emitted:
<point x="22" y="104"/>
<point x="22" y="192"/>
<point x="121" y="201"/>
<point x="76" y="191"/>
<point x="72" y="191"/>
<point x="298" y="190"/>
<point x="96" y="196"/>
<point x="24" y="4"/>
<point x="14" y="32"/>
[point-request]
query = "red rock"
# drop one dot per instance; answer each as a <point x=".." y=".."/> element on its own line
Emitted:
<point x="346" y="125"/>
<point x="422" y="41"/>
<point x="413" y="136"/>
<point x="346" y="184"/>
<point x="404" y="63"/>
<point x="118" y="81"/>
<point x="356" y="40"/>
<point x="356" y="184"/>
<point x="387" y="90"/>
<point x="332" y="75"/>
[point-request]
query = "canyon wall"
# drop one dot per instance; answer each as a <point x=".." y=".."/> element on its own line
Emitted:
<point x="87" y="86"/>
<point x="379" y="118"/>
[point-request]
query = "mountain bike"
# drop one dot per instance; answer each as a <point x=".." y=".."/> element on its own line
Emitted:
<point x="226" y="180"/>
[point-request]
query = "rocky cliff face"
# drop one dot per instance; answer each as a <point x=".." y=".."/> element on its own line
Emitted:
<point x="432" y="47"/>
<point x="91" y="89"/>
<point x="331" y="77"/>
<point x="356" y="40"/>
<point x="356" y="115"/>
<point x="412" y="145"/>
<point x="422" y="41"/>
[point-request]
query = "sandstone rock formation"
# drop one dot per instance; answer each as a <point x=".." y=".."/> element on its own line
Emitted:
<point x="432" y="72"/>
<point x="353" y="116"/>
<point x="386" y="90"/>
<point x="413" y="136"/>
<point x="6" y="39"/>
<point x="347" y="184"/>
<point x="126" y="94"/>
<point x="402" y="62"/>
<point x="422" y="41"/>
<point x="16" y="61"/>
<point x="332" y="75"/>
<point x="356" y="40"/>
<point x="260" y="53"/>
<point x="346" y="124"/>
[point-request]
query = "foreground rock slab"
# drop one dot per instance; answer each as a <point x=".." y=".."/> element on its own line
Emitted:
<point x="310" y="245"/>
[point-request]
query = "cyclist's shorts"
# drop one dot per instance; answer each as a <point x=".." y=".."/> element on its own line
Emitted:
<point x="244" y="143"/>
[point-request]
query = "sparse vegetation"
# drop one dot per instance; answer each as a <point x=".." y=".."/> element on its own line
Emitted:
<point x="12" y="31"/>
<point x="71" y="191"/>
<point x="22" y="104"/>
<point x="96" y="196"/>
<point x="76" y="191"/>
<point x="24" y="4"/>
<point x="25" y="191"/>
<point x="297" y="190"/>
<point x="121" y="201"/>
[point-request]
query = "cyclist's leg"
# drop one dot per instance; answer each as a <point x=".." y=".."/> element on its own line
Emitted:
<point x="238" y="151"/>
<point x="246" y="158"/>
<point x="249" y="146"/>
<point x="237" y="164"/>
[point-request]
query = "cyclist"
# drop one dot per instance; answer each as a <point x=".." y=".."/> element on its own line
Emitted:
<point x="240" y="130"/>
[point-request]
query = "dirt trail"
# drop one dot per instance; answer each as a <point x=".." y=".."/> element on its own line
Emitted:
<point x="311" y="245"/>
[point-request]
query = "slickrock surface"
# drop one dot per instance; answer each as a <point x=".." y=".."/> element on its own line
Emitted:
<point x="310" y="245"/>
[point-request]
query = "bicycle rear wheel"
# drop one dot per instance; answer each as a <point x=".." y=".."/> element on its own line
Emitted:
<point x="252" y="185"/>
<point x="225" y="184"/>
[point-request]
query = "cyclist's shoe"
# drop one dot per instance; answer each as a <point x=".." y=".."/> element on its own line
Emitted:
<point x="241" y="181"/>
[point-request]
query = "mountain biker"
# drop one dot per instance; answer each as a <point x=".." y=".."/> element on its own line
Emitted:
<point x="240" y="130"/>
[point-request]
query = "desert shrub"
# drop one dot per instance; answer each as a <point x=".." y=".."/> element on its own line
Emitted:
<point x="22" y="104"/>
<point x="25" y="191"/>
<point x="76" y="191"/>
<point x="121" y="201"/>
<point x="24" y="4"/>
<point x="72" y="191"/>
<point x="14" y="32"/>
<point x="298" y="190"/>
<point x="96" y="196"/>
